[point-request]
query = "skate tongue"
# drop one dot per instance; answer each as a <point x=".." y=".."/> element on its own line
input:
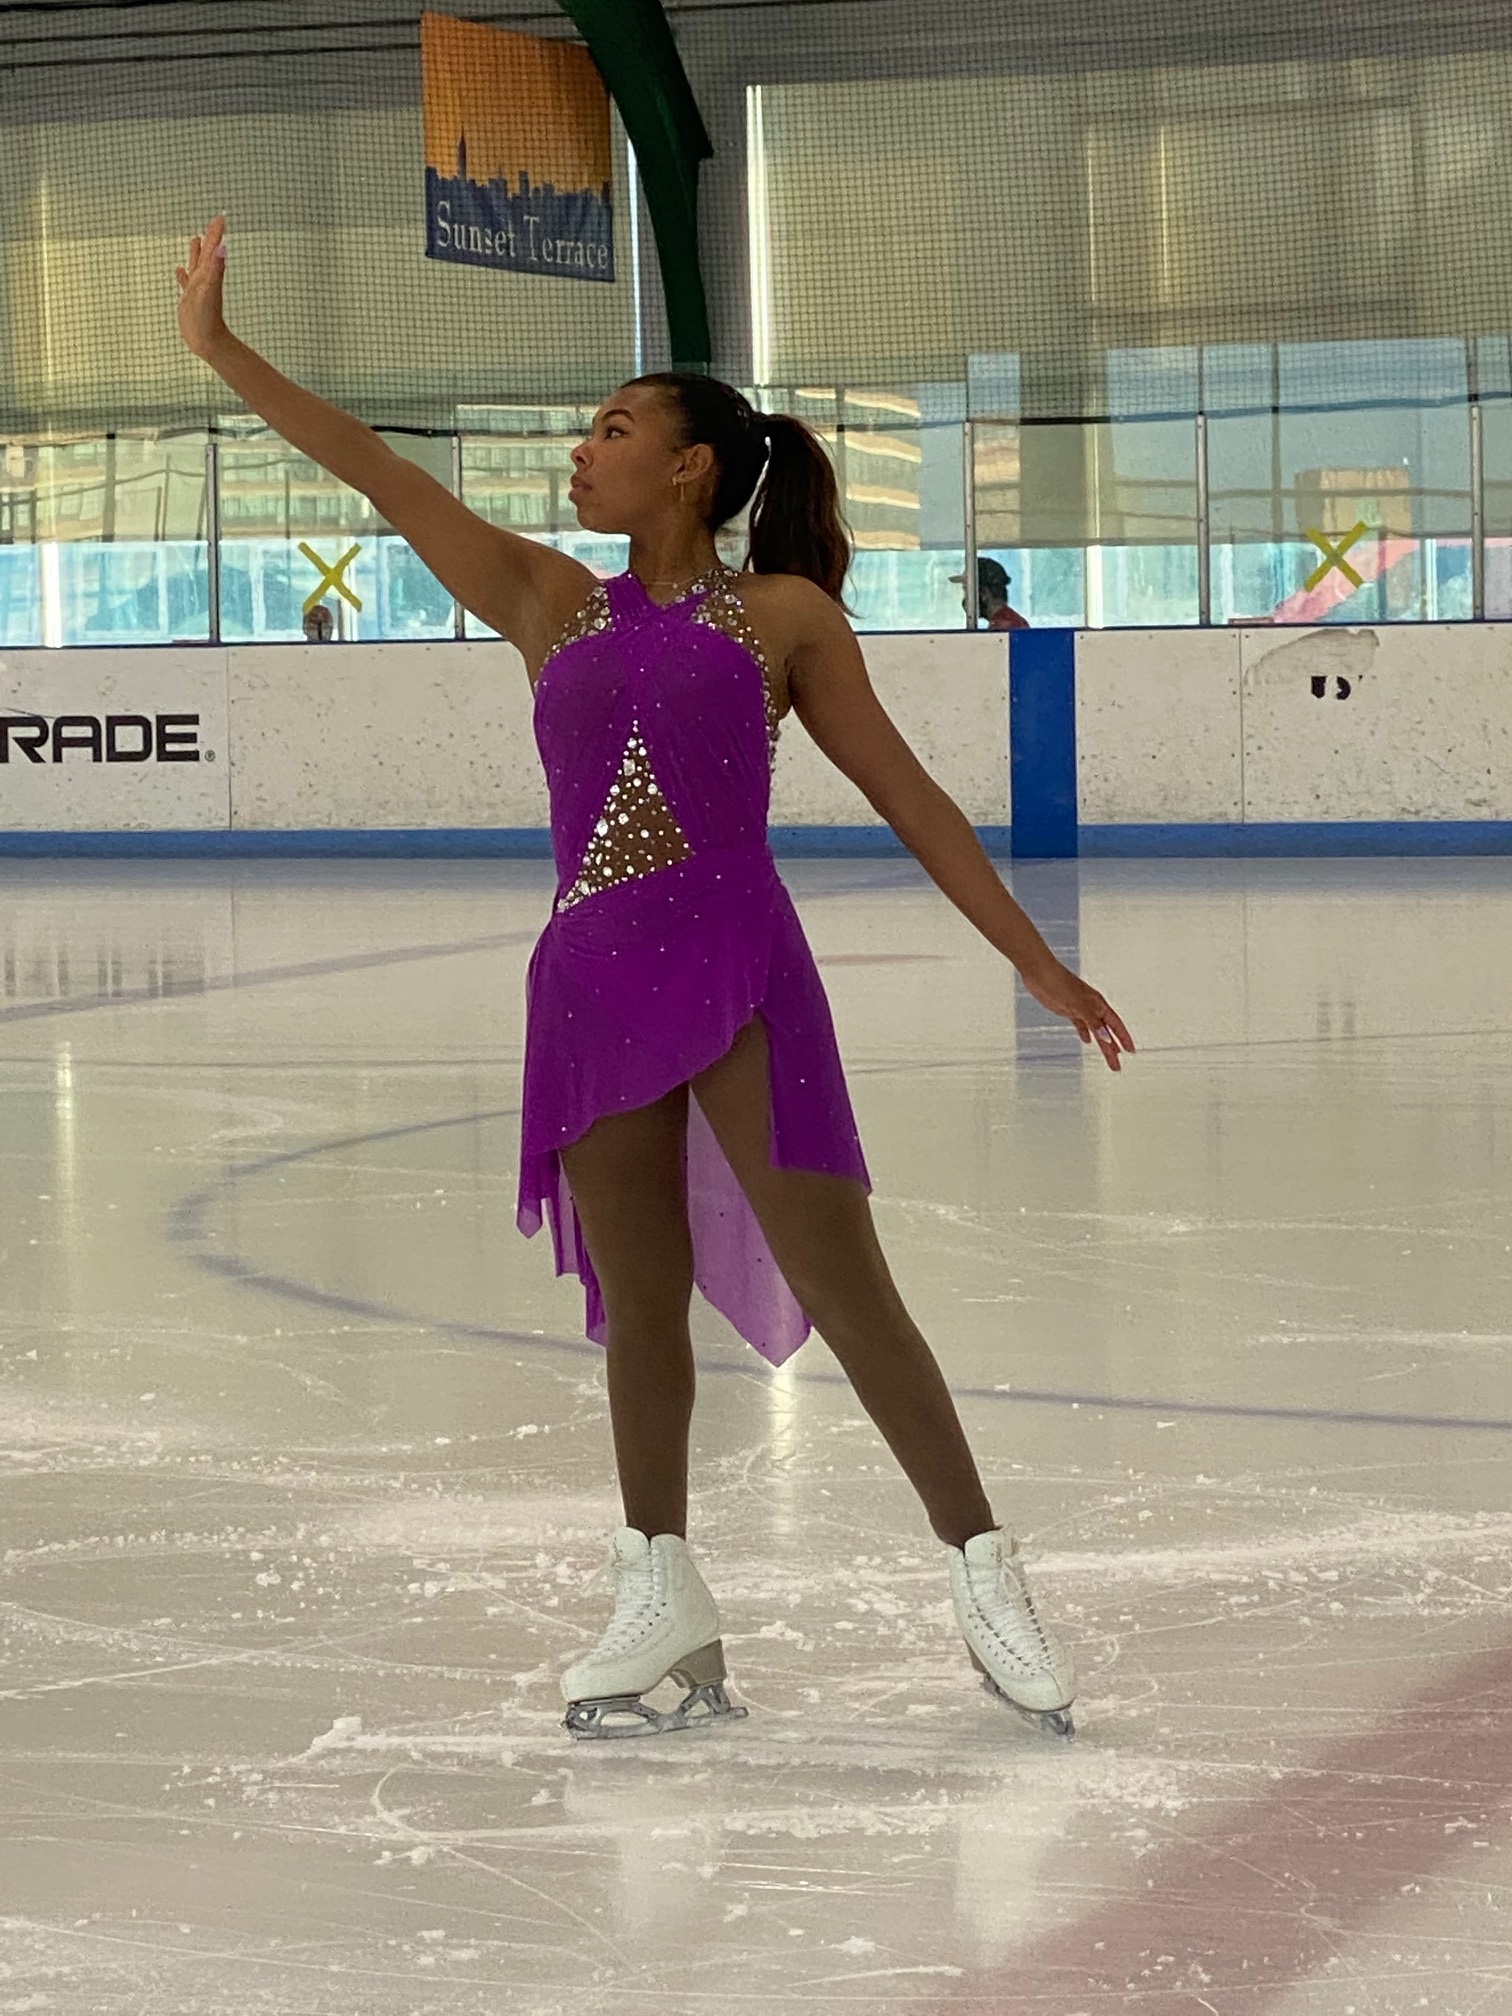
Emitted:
<point x="981" y="1550"/>
<point x="629" y="1546"/>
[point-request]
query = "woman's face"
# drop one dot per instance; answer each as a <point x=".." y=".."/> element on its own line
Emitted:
<point x="623" y="473"/>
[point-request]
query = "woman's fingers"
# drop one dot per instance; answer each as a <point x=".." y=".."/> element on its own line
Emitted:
<point x="1088" y="1013"/>
<point x="1111" y="1022"/>
<point x="1108" y="1043"/>
<point x="202" y="244"/>
<point x="1110" y="1034"/>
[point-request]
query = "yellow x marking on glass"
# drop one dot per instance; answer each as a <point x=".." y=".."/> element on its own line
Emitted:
<point x="1335" y="551"/>
<point x="330" y="577"/>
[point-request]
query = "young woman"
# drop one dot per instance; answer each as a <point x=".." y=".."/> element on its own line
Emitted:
<point x="685" y="1118"/>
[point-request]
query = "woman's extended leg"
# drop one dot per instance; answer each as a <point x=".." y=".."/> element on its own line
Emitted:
<point x="626" y="1175"/>
<point x="820" y="1231"/>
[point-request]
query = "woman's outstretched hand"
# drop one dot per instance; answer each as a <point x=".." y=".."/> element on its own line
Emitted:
<point x="1057" y="988"/>
<point x="201" y="321"/>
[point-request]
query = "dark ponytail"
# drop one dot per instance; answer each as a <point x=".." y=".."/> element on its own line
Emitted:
<point x="796" y="525"/>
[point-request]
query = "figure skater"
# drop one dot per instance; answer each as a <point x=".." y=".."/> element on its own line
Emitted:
<point x="685" y="1118"/>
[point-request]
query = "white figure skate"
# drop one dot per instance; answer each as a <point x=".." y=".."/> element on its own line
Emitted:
<point x="665" y="1623"/>
<point x="1020" y="1661"/>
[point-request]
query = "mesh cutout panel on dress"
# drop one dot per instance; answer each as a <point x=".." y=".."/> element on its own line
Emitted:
<point x="636" y="833"/>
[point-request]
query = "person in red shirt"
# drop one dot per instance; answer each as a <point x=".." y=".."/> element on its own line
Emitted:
<point x="993" y="605"/>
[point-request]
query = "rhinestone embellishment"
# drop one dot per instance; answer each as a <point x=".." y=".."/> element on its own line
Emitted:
<point x="723" y="610"/>
<point x="636" y="833"/>
<point x="594" y="615"/>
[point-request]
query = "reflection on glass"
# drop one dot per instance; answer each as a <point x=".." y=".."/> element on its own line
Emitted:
<point x="105" y="541"/>
<point x="898" y="457"/>
<point x="288" y="530"/>
<point x="1337" y="492"/>
<point x="1096" y="525"/>
<point x="1337" y="488"/>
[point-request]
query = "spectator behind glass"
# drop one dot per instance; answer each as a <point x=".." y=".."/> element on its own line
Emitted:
<point x="992" y="597"/>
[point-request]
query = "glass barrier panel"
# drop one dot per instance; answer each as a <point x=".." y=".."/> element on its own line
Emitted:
<point x="899" y="469"/>
<point x="1332" y="512"/>
<point x="1496" y="453"/>
<point x="1091" y="526"/>
<point x="295" y="540"/>
<point x="108" y="541"/>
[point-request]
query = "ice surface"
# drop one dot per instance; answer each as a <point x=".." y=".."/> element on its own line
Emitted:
<point x="304" y="1472"/>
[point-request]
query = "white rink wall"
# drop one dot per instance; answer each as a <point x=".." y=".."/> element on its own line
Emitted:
<point x="949" y="698"/>
<point x="1414" y="722"/>
<point x="1218" y="731"/>
<point x="322" y="738"/>
<point x="77" y="794"/>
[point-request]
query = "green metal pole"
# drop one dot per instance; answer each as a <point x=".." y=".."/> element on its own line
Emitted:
<point x="632" y="44"/>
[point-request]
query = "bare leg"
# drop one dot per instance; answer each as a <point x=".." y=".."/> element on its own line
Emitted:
<point x="626" y="1175"/>
<point x="821" y="1234"/>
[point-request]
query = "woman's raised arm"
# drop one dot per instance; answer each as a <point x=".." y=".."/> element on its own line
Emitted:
<point x="518" y="587"/>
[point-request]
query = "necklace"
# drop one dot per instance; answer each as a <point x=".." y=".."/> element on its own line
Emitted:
<point x="708" y="579"/>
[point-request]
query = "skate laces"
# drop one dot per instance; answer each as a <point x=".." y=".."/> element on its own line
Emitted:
<point x="635" y="1601"/>
<point x="1017" y="1622"/>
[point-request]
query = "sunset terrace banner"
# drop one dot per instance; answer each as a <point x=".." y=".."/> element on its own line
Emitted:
<point x="518" y="171"/>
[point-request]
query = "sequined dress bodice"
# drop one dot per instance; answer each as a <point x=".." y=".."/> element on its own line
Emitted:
<point x="672" y="932"/>
<point x="657" y="728"/>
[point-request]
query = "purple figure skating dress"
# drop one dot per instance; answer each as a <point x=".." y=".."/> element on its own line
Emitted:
<point x="671" y="929"/>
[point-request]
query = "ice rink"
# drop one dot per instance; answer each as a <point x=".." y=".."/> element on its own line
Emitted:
<point x="305" y="1473"/>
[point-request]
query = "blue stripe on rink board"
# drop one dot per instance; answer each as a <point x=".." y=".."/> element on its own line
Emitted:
<point x="522" y="842"/>
<point x="510" y="843"/>
<point x="1283" y="839"/>
<point x="528" y="843"/>
<point x="1042" y="743"/>
<point x="838" y="841"/>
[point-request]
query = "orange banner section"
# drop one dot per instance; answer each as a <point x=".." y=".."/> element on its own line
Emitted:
<point x="518" y="161"/>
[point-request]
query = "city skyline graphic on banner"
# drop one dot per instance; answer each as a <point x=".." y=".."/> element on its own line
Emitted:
<point x="518" y="161"/>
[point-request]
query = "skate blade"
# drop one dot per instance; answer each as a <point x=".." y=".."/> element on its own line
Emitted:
<point x="589" y="1721"/>
<point x="1049" y="1721"/>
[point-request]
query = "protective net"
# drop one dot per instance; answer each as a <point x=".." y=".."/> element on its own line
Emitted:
<point x="1084" y="210"/>
<point x="127" y="129"/>
<point x="1068" y="210"/>
<point x="1074" y="226"/>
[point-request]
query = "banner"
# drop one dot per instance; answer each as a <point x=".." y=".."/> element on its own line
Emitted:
<point x="518" y="167"/>
<point x="107" y="741"/>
